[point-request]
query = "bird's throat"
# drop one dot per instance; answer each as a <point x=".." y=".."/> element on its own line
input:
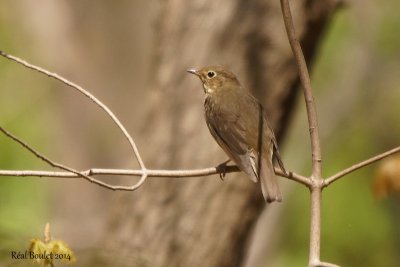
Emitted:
<point x="207" y="90"/>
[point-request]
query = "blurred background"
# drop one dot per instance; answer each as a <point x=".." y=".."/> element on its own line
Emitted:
<point x="110" y="49"/>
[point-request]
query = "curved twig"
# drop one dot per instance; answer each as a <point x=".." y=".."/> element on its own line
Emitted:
<point x="85" y="93"/>
<point x="71" y="170"/>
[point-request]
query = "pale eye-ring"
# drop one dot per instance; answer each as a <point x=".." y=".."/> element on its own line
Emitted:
<point x="211" y="74"/>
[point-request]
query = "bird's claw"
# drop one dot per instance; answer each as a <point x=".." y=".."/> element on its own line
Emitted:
<point x="222" y="175"/>
<point x="222" y="169"/>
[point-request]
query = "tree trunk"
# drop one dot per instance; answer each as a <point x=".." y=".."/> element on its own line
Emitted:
<point x="204" y="221"/>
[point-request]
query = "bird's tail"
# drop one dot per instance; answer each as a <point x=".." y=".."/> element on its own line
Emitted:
<point x="269" y="183"/>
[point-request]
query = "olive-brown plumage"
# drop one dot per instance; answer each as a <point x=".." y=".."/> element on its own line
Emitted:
<point x="235" y="120"/>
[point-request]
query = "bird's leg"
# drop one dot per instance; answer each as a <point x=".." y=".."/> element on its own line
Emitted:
<point x="222" y="169"/>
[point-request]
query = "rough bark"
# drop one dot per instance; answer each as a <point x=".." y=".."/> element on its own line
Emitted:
<point x="203" y="221"/>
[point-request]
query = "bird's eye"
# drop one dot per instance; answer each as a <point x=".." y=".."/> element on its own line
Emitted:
<point x="211" y="74"/>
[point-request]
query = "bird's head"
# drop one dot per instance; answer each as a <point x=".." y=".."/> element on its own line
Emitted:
<point x="216" y="78"/>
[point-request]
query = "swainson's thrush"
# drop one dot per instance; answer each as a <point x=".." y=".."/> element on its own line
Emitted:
<point x="235" y="119"/>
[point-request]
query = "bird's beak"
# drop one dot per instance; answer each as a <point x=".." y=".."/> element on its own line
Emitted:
<point x="193" y="71"/>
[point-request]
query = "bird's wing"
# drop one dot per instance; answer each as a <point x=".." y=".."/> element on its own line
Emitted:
<point x="231" y="136"/>
<point x="275" y="151"/>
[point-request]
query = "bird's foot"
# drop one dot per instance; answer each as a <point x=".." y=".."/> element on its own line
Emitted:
<point x="222" y="169"/>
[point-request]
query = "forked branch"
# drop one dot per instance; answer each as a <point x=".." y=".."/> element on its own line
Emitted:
<point x="72" y="173"/>
<point x="316" y="176"/>
<point x="317" y="181"/>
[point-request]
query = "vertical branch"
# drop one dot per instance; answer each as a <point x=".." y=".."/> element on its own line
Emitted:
<point x="315" y="227"/>
<point x="305" y="81"/>
<point x="316" y="176"/>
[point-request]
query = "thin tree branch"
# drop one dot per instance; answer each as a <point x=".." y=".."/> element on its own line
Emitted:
<point x="95" y="171"/>
<point x="325" y="264"/>
<point x="71" y="170"/>
<point x="315" y="227"/>
<point x="294" y="177"/>
<point x="144" y="173"/>
<point x="308" y="96"/>
<point x="85" y="93"/>
<point x="316" y="176"/>
<point x="150" y="173"/>
<point x="357" y="166"/>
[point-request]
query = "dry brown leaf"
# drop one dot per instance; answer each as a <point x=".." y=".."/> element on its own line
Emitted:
<point x="387" y="178"/>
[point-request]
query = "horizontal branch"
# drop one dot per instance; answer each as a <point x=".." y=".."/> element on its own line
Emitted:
<point x="69" y="172"/>
<point x="150" y="173"/>
<point x="357" y="166"/>
<point x="97" y="171"/>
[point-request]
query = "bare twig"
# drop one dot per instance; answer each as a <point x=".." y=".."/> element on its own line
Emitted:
<point x="307" y="90"/>
<point x="315" y="227"/>
<point x="144" y="173"/>
<point x="316" y="176"/>
<point x="71" y="170"/>
<point x="325" y="264"/>
<point x="119" y="172"/>
<point x="295" y="177"/>
<point x="357" y="166"/>
<point x="85" y="93"/>
<point x="150" y="173"/>
<point x="71" y="173"/>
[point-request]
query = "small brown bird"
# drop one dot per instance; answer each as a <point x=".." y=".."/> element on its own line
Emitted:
<point x="235" y="119"/>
